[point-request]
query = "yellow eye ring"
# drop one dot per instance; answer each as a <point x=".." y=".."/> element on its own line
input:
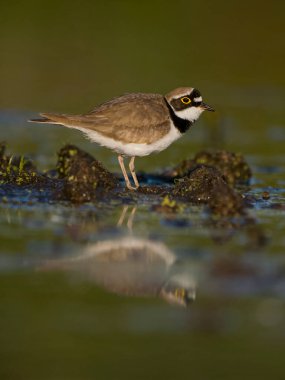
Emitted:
<point x="185" y="100"/>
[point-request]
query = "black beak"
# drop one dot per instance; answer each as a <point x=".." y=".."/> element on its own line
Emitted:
<point x="206" y="107"/>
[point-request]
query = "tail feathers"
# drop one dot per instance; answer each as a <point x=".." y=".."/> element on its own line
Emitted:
<point x="49" y="118"/>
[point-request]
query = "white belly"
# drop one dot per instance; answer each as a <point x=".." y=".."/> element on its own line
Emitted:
<point x="134" y="149"/>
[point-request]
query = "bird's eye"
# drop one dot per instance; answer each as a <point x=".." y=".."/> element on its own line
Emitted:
<point x="185" y="100"/>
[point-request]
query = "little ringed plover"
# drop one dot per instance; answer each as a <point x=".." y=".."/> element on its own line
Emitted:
<point x="136" y="124"/>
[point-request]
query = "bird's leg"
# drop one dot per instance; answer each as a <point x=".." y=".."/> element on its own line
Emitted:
<point x="122" y="216"/>
<point x="133" y="173"/>
<point x="128" y="183"/>
<point x="131" y="218"/>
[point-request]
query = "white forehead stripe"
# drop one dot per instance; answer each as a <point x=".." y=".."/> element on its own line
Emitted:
<point x="198" y="99"/>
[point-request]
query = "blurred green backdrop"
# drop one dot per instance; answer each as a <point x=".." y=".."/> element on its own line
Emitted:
<point x="69" y="55"/>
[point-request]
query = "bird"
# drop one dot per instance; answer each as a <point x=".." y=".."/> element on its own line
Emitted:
<point x="136" y="124"/>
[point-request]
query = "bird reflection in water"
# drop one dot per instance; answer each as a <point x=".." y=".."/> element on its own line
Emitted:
<point x="132" y="266"/>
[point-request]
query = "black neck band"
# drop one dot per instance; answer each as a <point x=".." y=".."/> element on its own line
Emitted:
<point x="181" y="124"/>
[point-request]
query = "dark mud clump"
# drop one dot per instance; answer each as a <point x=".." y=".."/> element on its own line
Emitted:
<point x="85" y="179"/>
<point x="227" y="207"/>
<point x="265" y="195"/>
<point x="158" y="190"/>
<point x="208" y="185"/>
<point x="80" y="178"/>
<point x="232" y="165"/>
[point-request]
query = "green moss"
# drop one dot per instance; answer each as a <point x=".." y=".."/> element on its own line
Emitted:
<point x="17" y="170"/>
<point x="82" y="175"/>
<point x="81" y="178"/>
<point x="207" y="185"/>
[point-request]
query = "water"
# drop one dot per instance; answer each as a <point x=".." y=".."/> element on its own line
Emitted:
<point x="96" y="291"/>
<point x="137" y="287"/>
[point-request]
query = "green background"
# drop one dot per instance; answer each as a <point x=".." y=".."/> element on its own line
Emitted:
<point x="70" y="56"/>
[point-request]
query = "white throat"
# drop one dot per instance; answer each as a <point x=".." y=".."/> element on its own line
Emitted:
<point x="191" y="113"/>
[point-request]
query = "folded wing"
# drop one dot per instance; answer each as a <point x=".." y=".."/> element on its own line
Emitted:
<point x="138" y="118"/>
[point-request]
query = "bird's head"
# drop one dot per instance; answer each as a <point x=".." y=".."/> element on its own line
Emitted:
<point x="179" y="289"/>
<point x="187" y="103"/>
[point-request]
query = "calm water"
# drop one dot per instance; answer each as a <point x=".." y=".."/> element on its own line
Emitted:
<point x="85" y="285"/>
<point x="93" y="291"/>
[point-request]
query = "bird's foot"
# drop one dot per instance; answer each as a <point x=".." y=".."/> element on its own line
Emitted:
<point x="130" y="187"/>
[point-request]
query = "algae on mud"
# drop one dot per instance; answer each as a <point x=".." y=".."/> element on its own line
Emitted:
<point x="232" y="165"/>
<point x="16" y="170"/>
<point x="80" y="178"/>
<point x="207" y="185"/>
<point x="83" y="176"/>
